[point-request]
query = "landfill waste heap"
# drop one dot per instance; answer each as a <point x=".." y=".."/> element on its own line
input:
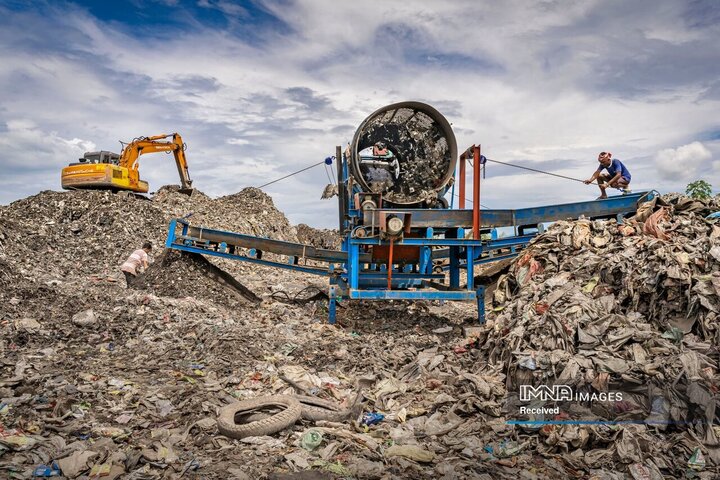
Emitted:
<point x="103" y="381"/>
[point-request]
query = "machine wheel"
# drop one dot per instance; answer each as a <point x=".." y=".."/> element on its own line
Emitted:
<point x="237" y="419"/>
<point x="442" y="203"/>
<point x="316" y="409"/>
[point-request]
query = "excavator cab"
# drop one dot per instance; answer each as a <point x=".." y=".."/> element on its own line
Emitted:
<point x="103" y="156"/>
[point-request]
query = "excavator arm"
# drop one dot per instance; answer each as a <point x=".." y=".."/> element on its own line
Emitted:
<point x="129" y="158"/>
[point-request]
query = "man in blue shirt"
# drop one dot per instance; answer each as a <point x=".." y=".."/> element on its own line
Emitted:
<point x="617" y="176"/>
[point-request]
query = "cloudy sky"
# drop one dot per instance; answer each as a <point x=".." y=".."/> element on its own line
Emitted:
<point x="259" y="89"/>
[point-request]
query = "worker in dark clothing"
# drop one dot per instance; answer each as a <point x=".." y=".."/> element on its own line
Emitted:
<point x="617" y="176"/>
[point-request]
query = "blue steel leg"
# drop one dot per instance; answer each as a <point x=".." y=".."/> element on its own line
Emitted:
<point x="332" y="305"/>
<point x="354" y="266"/>
<point x="455" y="259"/>
<point x="480" y="292"/>
<point x="470" y="252"/>
<point x="454" y="267"/>
<point x="171" y="233"/>
<point x="332" y="296"/>
<point x="426" y="254"/>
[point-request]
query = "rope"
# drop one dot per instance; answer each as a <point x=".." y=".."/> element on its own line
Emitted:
<point x="488" y="159"/>
<point x="546" y="173"/>
<point x="536" y="170"/>
<point x="291" y="174"/>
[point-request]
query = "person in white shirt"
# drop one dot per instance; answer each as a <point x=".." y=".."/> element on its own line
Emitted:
<point x="139" y="258"/>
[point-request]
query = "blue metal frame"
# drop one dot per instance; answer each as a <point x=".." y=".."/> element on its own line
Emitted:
<point x="175" y="242"/>
<point x="436" y="234"/>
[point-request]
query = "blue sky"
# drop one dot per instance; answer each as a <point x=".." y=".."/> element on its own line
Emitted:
<point x="259" y="89"/>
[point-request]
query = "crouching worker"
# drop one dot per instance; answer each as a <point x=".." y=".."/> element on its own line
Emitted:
<point x="139" y="258"/>
<point x="617" y="176"/>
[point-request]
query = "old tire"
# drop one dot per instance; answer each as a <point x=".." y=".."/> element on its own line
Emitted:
<point x="316" y="409"/>
<point x="233" y="419"/>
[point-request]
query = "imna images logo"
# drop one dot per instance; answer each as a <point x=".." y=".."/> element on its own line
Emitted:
<point x="564" y="393"/>
<point x="544" y="393"/>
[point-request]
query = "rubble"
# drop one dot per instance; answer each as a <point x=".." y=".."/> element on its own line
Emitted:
<point x="137" y="392"/>
<point x="85" y="318"/>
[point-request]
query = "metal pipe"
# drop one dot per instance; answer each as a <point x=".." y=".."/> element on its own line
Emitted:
<point x="342" y="191"/>
<point x="461" y="201"/>
<point x="476" y="192"/>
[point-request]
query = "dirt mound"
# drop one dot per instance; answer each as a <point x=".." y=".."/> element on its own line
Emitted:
<point x="79" y="233"/>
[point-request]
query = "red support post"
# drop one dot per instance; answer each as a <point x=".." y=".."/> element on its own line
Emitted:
<point x="461" y="203"/>
<point x="476" y="192"/>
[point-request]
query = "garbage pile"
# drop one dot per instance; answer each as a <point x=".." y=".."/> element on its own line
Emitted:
<point x="632" y="308"/>
<point x="56" y="236"/>
<point x="102" y="381"/>
<point x="319" y="237"/>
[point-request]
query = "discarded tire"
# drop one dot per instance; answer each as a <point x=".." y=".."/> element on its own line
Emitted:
<point x="316" y="409"/>
<point x="235" y="421"/>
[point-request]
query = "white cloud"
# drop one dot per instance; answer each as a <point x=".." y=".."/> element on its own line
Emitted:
<point x="34" y="158"/>
<point x="682" y="163"/>
<point x="531" y="81"/>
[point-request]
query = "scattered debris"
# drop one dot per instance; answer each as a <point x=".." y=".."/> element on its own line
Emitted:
<point x="136" y="392"/>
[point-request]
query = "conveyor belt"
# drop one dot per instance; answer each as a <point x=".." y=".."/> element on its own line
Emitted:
<point x="521" y="217"/>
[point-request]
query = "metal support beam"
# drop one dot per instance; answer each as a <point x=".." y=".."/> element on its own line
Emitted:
<point x="445" y="219"/>
<point x="340" y="163"/>
<point x="332" y="304"/>
<point x="461" y="200"/>
<point x="476" y="192"/>
<point x="481" y="304"/>
<point x="466" y="295"/>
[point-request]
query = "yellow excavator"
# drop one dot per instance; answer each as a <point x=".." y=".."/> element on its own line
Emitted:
<point x="109" y="171"/>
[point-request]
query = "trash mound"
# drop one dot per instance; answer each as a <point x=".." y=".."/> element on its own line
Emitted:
<point x="256" y="214"/>
<point x="632" y="308"/>
<point x="66" y="234"/>
<point x="170" y="195"/>
<point x="663" y="266"/>
<point x="61" y="235"/>
<point x="250" y="211"/>
<point x="319" y="238"/>
<point x="8" y="275"/>
<point x="99" y="381"/>
<point x="180" y="274"/>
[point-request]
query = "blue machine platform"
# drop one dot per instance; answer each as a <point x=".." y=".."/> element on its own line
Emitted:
<point x="423" y="264"/>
